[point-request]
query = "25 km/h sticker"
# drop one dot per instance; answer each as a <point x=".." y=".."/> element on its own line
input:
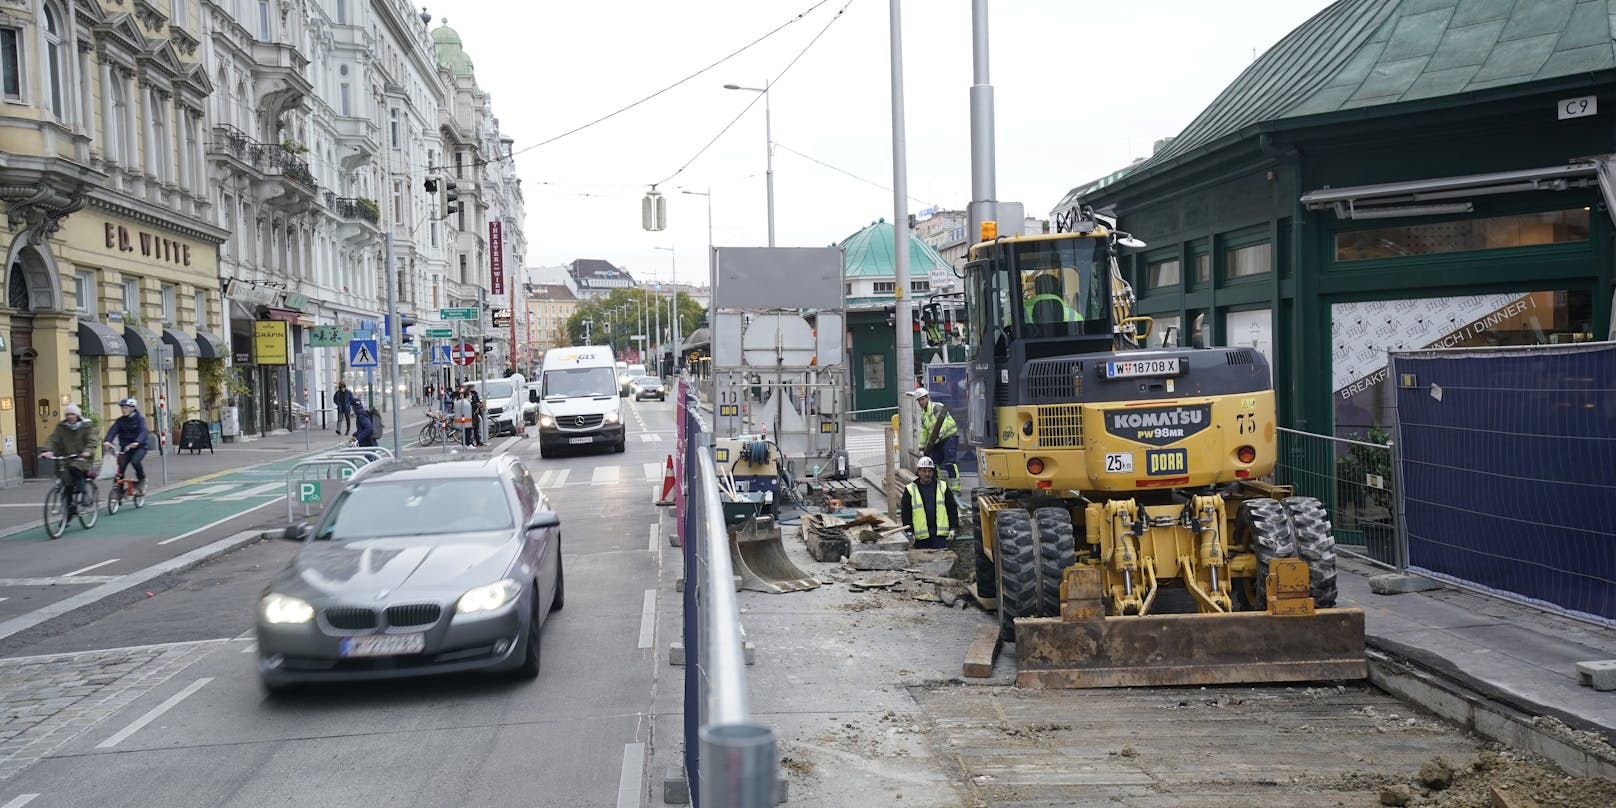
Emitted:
<point x="1119" y="463"/>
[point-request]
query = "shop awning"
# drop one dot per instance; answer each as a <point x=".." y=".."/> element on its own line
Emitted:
<point x="99" y="339"/>
<point x="695" y="339"/>
<point x="184" y="344"/>
<point x="211" y="346"/>
<point x="141" y="341"/>
<point x="290" y="316"/>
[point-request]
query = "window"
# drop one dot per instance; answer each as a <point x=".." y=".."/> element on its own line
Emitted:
<point x="885" y="287"/>
<point x="1162" y="274"/>
<point x="460" y="165"/>
<point x="460" y="217"/>
<point x="342" y="12"/>
<point x="398" y="201"/>
<point x="11" y="64"/>
<point x="131" y="296"/>
<point x="170" y="302"/>
<point x="919" y="286"/>
<point x="157" y="157"/>
<point x="178" y="9"/>
<point x="847" y="290"/>
<point x="1491" y="233"/>
<point x="263" y="21"/>
<point x="202" y="310"/>
<point x="433" y="230"/>
<point x="1253" y="259"/>
<point x="53" y="65"/>
<point x="189" y="152"/>
<point x="392" y="126"/>
<point x="1203" y="268"/>
<point x="346" y="101"/>
<point x="84" y="292"/>
<point x="465" y="275"/>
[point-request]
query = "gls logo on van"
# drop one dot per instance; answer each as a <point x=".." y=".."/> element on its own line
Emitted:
<point x="1158" y="426"/>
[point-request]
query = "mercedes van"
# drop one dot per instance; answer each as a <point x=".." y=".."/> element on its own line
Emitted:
<point x="579" y="403"/>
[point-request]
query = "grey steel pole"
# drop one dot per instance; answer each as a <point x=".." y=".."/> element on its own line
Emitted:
<point x="482" y="390"/>
<point x="768" y="134"/>
<point x="393" y="343"/>
<point x="984" y="193"/>
<point x="905" y="347"/>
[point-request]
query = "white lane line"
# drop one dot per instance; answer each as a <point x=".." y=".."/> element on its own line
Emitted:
<point x="91" y="567"/>
<point x="60" y="580"/>
<point x="251" y="647"/>
<point x="4" y="599"/>
<point x="154" y="713"/>
<point x="653" y="472"/>
<point x="554" y="478"/>
<point x="628" y="781"/>
<point x="20" y="801"/>
<point x="506" y="444"/>
<point x="646" y="437"/>
<point x="222" y="521"/>
<point x="654" y="531"/>
<point x="604" y="475"/>
<point x="256" y="491"/>
<point x="648" y="618"/>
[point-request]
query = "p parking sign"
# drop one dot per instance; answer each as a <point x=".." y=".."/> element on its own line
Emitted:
<point x="308" y="491"/>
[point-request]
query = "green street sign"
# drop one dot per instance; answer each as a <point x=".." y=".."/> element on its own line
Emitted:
<point x="466" y="313"/>
<point x="308" y="491"/>
<point x="330" y="336"/>
<point x="440" y="333"/>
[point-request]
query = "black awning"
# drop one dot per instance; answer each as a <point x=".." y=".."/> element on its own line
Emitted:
<point x="184" y="344"/>
<point x="211" y="346"/>
<point x="142" y="342"/>
<point x="99" y="339"/>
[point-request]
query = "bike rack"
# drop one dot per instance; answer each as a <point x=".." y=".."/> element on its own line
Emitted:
<point x="337" y="464"/>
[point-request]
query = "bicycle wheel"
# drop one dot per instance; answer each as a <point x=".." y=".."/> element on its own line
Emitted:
<point x="140" y="494"/>
<point x="55" y="512"/>
<point x="115" y="497"/>
<point x="89" y="507"/>
<point x="429" y="435"/>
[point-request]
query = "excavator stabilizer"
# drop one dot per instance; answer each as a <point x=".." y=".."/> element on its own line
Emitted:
<point x="1190" y="649"/>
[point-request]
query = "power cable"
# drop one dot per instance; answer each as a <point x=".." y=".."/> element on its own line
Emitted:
<point x="778" y="144"/>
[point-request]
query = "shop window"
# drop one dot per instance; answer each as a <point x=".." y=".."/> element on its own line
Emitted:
<point x="885" y="287"/>
<point x="84" y="292"/>
<point x="1162" y="274"/>
<point x="11" y="64"/>
<point x="1203" y="268"/>
<point x="1252" y="259"/>
<point x="1465" y="235"/>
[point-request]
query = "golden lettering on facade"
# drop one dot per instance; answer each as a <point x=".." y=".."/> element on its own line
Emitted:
<point x="151" y="245"/>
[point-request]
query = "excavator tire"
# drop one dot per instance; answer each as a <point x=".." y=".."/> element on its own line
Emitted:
<point x="1315" y="544"/>
<point x="1265" y="526"/>
<point x="1018" y="569"/>
<point x="1056" y="552"/>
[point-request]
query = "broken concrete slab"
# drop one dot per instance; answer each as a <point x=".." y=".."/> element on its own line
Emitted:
<point x="1598" y="674"/>
<point x="878" y="560"/>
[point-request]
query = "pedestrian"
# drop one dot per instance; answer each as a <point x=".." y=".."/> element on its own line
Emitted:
<point x="930" y="510"/>
<point x="73" y="443"/>
<point x="939" y="435"/>
<point x="462" y="411"/>
<point x="128" y="437"/>
<point x="343" y="400"/>
<point x="476" y="416"/>
<point x="364" y="426"/>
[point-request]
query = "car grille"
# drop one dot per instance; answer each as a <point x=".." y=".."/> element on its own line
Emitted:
<point x="414" y="614"/>
<point x="349" y="618"/>
<point x="579" y="421"/>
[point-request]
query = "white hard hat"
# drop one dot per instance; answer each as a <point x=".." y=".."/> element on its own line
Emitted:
<point x="920" y="392"/>
<point x="925" y="463"/>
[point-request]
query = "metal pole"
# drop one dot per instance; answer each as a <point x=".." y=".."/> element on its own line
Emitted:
<point x="768" y="134"/>
<point x="482" y="390"/>
<point x="984" y="194"/>
<point x="162" y="419"/>
<point x="678" y="349"/>
<point x="393" y="337"/>
<point x="900" y="241"/>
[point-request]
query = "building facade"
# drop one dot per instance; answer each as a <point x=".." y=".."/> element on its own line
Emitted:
<point x="593" y="278"/>
<point x="549" y="307"/>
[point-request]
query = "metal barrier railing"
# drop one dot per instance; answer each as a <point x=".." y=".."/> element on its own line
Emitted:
<point x="729" y="757"/>
<point x="306" y="481"/>
<point x="1356" y="481"/>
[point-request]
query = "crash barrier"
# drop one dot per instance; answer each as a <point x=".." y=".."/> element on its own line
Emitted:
<point x="729" y="757"/>
<point x="311" y="483"/>
<point x="1509" y="463"/>
<point x="1353" y="476"/>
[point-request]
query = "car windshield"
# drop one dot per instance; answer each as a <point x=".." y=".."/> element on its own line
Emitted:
<point x="569" y="382"/>
<point x="636" y="370"/>
<point x="648" y="381"/>
<point x="495" y="390"/>
<point x="418" y="508"/>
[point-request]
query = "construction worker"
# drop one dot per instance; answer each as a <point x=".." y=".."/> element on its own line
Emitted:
<point x="1046" y="306"/>
<point x="930" y="510"/>
<point x="939" y="435"/>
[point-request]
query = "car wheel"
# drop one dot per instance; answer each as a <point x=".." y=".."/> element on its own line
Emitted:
<point x="559" y="599"/>
<point x="622" y="446"/>
<point x="529" y="669"/>
<point x="546" y="452"/>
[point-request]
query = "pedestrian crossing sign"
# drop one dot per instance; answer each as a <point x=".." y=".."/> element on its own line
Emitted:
<point x="362" y="353"/>
<point x="440" y="355"/>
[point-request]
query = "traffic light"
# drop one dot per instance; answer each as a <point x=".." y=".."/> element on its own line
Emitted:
<point x="488" y="346"/>
<point x="431" y="185"/>
<point x="405" y="337"/>
<point x="451" y="199"/>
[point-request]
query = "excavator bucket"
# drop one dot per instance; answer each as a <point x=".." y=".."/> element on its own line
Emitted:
<point x="760" y="559"/>
<point x="1289" y="642"/>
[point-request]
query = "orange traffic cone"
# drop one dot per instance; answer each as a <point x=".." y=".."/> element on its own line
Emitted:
<point x="667" y="484"/>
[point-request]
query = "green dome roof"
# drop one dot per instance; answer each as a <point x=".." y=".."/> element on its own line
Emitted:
<point x="450" y="53"/>
<point x="869" y="253"/>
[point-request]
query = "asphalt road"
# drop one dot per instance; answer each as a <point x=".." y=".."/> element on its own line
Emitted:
<point x="166" y="710"/>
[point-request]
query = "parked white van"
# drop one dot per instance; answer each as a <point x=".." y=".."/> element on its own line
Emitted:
<point x="579" y="403"/>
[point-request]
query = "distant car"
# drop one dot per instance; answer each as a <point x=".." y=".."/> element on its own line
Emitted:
<point x="626" y="374"/>
<point x="416" y="568"/>
<point x="648" y="387"/>
<point x="530" y="404"/>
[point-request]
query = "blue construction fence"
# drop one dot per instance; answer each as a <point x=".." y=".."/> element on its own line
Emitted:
<point x="1508" y="471"/>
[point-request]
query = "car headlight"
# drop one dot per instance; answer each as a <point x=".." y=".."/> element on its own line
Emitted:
<point x="488" y="598"/>
<point x="277" y="608"/>
<point x="546" y="422"/>
<point x="611" y="417"/>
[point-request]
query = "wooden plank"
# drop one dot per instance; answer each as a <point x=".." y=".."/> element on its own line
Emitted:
<point x="979" y="657"/>
<point x="1503" y="798"/>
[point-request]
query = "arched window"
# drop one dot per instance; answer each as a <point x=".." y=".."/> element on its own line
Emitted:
<point x="117" y="136"/>
<point x="221" y="100"/>
<point x="53" y="65"/>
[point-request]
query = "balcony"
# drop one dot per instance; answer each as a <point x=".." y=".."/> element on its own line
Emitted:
<point x="280" y="80"/>
<point x="360" y="219"/>
<point x="286" y="178"/>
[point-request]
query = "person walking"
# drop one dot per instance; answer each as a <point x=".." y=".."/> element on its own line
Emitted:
<point x="73" y="444"/>
<point x="476" y="416"/>
<point x="343" y="400"/>
<point x="128" y="437"/>
<point x="929" y="508"/>
<point x="939" y="435"/>
<point x="364" y="426"/>
<point x="462" y="411"/>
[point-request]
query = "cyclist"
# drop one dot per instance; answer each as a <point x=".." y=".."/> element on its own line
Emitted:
<point x="73" y="444"/>
<point x="128" y="437"/>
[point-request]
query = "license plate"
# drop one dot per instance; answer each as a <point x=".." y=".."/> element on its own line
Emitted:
<point x="383" y="645"/>
<point x="1132" y="368"/>
<point x="580" y="440"/>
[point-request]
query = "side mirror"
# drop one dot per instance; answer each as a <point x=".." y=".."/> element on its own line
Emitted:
<point x="298" y="532"/>
<point x="533" y="396"/>
<point x="621" y="393"/>
<point x="544" y="519"/>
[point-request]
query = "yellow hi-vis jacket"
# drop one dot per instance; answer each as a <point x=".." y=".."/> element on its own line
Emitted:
<point x="928" y="423"/>
<point x="917" y="508"/>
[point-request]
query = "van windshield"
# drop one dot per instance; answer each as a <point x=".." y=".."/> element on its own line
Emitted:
<point x="496" y="389"/>
<point x="570" y="382"/>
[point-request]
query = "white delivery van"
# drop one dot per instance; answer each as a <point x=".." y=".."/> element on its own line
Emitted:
<point x="579" y="403"/>
<point x="502" y="403"/>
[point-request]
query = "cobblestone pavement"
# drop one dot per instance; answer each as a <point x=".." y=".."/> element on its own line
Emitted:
<point x="46" y="701"/>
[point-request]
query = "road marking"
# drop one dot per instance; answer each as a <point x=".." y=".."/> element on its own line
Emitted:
<point x="59" y="580"/>
<point x="506" y="444"/>
<point x="91" y="567"/>
<point x="24" y="799"/>
<point x="648" y="618"/>
<point x="652" y="546"/>
<point x="257" y="491"/>
<point x="154" y="713"/>
<point x="554" y="478"/>
<point x="653" y="472"/>
<point x="251" y="647"/>
<point x="628" y="781"/>
<point x="604" y="475"/>
<point x="222" y="521"/>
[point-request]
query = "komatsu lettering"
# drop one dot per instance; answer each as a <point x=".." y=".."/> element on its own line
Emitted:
<point x="1158" y="426"/>
<point x="1135" y="420"/>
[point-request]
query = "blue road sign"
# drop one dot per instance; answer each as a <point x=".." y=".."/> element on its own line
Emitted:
<point x="440" y="355"/>
<point x="362" y="353"/>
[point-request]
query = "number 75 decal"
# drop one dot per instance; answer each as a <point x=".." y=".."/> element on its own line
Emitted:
<point x="1246" y="423"/>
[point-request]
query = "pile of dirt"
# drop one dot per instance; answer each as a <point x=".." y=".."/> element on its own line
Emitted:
<point x="1522" y="779"/>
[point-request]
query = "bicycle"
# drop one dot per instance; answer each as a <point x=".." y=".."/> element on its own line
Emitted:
<point x="59" y="507"/>
<point x="123" y="487"/>
<point x="436" y="429"/>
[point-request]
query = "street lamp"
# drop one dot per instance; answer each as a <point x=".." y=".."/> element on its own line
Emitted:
<point x="768" y="134"/>
<point x="712" y="277"/>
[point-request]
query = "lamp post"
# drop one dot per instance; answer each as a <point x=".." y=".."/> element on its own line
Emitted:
<point x="768" y="134"/>
<point x="673" y="261"/>
<point x="712" y="278"/>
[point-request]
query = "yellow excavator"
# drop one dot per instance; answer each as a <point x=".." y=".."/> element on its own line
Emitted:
<point x="1124" y="522"/>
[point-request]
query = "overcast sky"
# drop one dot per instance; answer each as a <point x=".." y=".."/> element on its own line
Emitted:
<point x="1082" y="88"/>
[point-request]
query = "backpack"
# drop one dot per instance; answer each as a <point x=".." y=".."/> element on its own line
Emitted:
<point x="375" y="421"/>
